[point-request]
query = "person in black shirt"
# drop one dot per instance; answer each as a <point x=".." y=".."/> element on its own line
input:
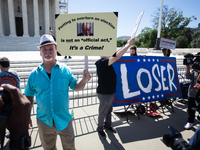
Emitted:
<point x="107" y="87"/>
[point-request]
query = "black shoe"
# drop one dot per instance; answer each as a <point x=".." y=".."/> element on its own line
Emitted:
<point x="111" y="129"/>
<point x="196" y="108"/>
<point x="102" y="133"/>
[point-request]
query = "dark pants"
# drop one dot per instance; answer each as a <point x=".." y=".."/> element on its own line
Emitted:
<point x="191" y="113"/>
<point x="105" y="109"/>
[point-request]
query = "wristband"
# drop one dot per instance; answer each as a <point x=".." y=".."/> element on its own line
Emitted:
<point x="198" y="81"/>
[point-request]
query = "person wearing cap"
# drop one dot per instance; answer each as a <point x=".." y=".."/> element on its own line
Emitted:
<point x="5" y="71"/>
<point x="58" y="54"/>
<point x="50" y="83"/>
<point x="51" y="33"/>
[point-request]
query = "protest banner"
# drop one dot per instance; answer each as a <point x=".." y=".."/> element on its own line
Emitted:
<point x="98" y="39"/>
<point x="168" y="44"/>
<point x="145" y="79"/>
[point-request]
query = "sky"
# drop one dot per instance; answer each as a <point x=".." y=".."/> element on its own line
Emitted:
<point x="129" y="10"/>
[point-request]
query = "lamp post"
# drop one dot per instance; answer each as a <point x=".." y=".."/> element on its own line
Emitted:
<point x="157" y="45"/>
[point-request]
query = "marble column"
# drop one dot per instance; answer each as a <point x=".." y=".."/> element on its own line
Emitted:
<point x="25" y="18"/>
<point x="46" y="16"/>
<point x="56" y="11"/>
<point x="36" y="17"/>
<point x="11" y="18"/>
<point x="57" y="7"/>
<point x="1" y="21"/>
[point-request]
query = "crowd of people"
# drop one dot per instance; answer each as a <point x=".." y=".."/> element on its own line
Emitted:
<point x="49" y="83"/>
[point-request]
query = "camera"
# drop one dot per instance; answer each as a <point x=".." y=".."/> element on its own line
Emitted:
<point x="191" y="59"/>
<point x="175" y="141"/>
<point x="188" y="59"/>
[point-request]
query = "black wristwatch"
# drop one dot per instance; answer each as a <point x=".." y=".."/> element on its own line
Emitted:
<point x="22" y="143"/>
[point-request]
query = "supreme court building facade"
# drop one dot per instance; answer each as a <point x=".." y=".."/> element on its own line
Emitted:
<point x="26" y="21"/>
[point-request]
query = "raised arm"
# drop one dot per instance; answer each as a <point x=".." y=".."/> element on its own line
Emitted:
<point x="121" y="51"/>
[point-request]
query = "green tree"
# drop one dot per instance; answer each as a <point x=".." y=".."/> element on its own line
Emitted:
<point x="147" y="37"/>
<point x="144" y="37"/>
<point x="137" y="43"/>
<point x="120" y="43"/>
<point x="184" y="39"/>
<point x="153" y="36"/>
<point x="173" y="22"/>
<point x="195" y="43"/>
<point x="181" y="42"/>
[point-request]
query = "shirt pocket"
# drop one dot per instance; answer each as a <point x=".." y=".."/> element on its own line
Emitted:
<point x="41" y="88"/>
<point x="62" y="85"/>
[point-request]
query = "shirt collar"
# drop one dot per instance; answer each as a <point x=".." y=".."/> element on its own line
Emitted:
<point x="40" y="67"/>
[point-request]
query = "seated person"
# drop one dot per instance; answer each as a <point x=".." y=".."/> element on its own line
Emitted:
<point x="7" y="73"/>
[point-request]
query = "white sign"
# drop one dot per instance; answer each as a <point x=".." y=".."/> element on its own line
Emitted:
<point x="168" y="44"/>
<point x="86" y="34"/>
<point x="137" y="24"/>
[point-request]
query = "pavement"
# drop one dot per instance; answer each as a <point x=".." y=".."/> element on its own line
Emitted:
<point x="144" y="134"/>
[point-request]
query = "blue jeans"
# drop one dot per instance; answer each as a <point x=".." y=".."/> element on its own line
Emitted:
<point x="195" y="140"/>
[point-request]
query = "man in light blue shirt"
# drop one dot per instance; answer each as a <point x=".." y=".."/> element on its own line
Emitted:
<point x="50" y="83"/>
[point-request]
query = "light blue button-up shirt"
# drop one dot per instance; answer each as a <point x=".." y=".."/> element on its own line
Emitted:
<point x="52" y="95"/>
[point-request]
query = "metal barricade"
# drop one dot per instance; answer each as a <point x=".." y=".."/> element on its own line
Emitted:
<point x="87" y="96"/>
<point x="82" y="98"/>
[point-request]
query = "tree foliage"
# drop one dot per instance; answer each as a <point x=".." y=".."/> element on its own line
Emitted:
<point x="120" y="43"/>
<point x="173" y="22"/>
<point x="147" y="37"/>
<point x="196" y="40"/>
<point x="173" y="26"/>
<point x="181" y="42"/>
<point x="137" y="43"/>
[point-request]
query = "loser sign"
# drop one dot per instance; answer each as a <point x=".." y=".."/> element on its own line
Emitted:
<point x="145" y="79"/>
